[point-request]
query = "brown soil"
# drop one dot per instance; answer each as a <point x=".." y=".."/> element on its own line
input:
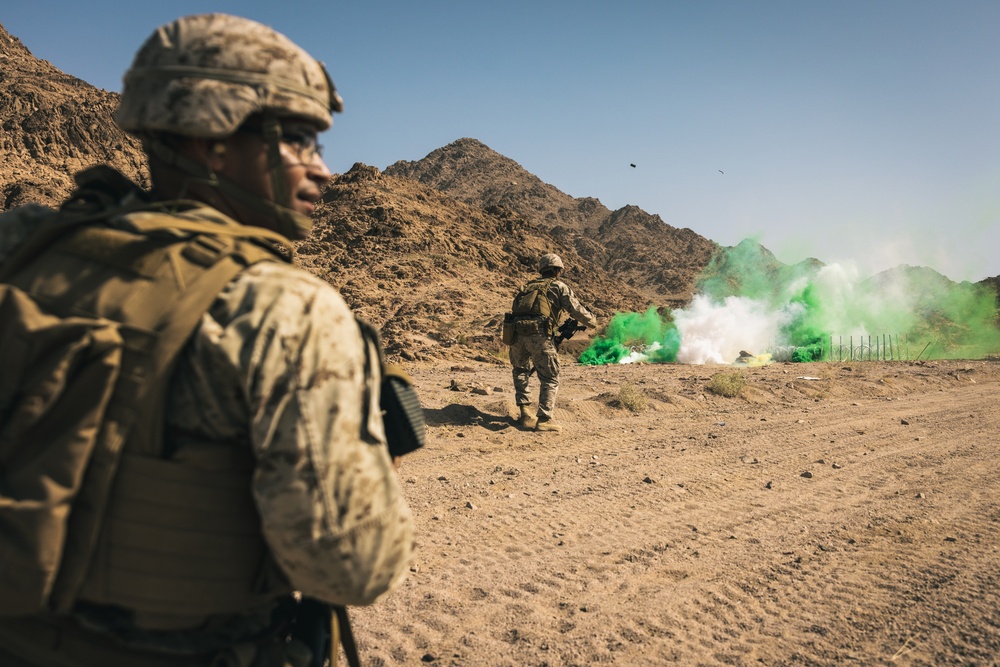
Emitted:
<point x="830" y="514"/>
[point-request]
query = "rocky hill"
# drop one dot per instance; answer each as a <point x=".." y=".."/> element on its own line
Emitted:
<point x="658" y="260"/>
<point x="54" y="125"/>
<point x="433" y="273"/>
<point x="430" y="251"/>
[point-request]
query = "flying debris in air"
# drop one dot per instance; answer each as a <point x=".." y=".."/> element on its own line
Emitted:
<point x="721" y="172"/>
<point x="632" y="165"/>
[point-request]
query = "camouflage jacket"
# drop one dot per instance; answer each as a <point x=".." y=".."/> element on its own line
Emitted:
<point x="278" y="362"/>
<point x="564" y="301"/>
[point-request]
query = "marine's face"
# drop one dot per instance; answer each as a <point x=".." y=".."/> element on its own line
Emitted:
<point x="245" y="163"/>
<point x="304" y="168"/>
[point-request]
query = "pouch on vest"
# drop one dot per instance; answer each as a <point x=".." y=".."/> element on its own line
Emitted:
<point x="532" y="303"/>
<point x="507" y="332"/>
<point x="57" y="381"/>
<point x="402" y="414"/>
<point x="532" y="327"/>
<point x="533" y="299"/>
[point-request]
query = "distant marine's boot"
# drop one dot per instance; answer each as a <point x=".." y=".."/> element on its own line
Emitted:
<point x="527" y="420"/>
<point x="548" y="425"/>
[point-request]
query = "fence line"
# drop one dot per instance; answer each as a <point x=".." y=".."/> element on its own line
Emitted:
<point x="879" y="347"/>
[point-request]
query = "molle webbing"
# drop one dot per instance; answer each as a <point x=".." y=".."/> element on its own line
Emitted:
<point x="157" y="282"/>
<point x="182" y="536"/>
<point x="534" y="302"/>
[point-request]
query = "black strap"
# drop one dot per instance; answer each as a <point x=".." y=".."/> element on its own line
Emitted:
<point x="346" y="637"/>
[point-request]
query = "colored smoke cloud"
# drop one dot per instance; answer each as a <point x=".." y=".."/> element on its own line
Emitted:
<point x="747" y="300"/>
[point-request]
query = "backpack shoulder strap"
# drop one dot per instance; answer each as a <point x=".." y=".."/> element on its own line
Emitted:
<point x="196" y="268"/>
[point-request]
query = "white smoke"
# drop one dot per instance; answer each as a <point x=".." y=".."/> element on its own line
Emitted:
<point x="636" y="355"/>
<point x="713" y="332"/>
<point x="717" y="332"/>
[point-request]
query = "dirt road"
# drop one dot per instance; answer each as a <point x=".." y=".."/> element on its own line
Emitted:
<point x="830" y="514"/>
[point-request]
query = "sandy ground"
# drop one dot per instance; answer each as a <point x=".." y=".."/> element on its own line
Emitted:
<point x="831" y="514"/>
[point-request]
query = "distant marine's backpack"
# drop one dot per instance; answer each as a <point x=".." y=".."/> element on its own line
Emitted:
<point x="532" y="307"/>
<point x="533" y="299"/>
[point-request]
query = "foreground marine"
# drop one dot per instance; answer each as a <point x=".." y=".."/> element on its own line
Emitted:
<point x="212" y="452"/>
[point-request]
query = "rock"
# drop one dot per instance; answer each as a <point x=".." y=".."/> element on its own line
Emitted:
<point x="649" y="480"/>
<point x="904" y="422"/>
<point x="470" y="506"/>
<point x="481" y="391"/>
<point x="807" y="474"/>
<point x="836" y="466"/>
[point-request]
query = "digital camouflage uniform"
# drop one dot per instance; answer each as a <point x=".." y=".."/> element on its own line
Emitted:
<point x="537" y="350"/>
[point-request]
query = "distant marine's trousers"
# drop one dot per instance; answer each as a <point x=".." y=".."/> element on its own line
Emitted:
<point x="539" y="351"/>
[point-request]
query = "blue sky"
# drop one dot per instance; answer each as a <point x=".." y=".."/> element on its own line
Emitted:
<point x="848" y="130"/>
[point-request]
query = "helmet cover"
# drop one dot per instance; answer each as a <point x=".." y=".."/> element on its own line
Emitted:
<point x="548" y="261"/>
<point x="203" y="75"/>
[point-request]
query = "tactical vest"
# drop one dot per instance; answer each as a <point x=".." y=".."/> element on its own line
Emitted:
<point x="533" y="310"/>
<point x="172" y="534"/>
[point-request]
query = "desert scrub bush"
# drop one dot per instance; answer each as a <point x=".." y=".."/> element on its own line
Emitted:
<point x="632" y="398"/>
<point x="727" y="384"/>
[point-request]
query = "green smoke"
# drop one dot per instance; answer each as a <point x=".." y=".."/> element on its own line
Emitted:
<point x="649" y="332"/>
<point x="812" y="308"/>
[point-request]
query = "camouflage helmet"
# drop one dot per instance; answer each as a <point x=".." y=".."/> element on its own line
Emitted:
<point x="550" y="261"/>
<point x="203" y="75"/>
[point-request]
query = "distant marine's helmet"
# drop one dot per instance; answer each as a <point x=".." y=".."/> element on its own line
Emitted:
<point x="202" y="76"/>
<point x="550" y="261"/>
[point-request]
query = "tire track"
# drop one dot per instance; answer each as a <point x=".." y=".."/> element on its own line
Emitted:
<point x="568" y="559"/>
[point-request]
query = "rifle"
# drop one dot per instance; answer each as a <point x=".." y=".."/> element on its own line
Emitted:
<point x="566" y="331"/>
<point x="323" y="629"/>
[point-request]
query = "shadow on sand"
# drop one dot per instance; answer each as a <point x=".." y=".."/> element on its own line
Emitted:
<point x="467" y="415"/>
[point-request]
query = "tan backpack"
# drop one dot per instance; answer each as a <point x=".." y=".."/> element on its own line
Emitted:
<point x="531" y="312"/>
<point x="92" y="318"/>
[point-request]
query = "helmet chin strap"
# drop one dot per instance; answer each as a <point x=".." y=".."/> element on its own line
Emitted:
<point x="287" y="222"/>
